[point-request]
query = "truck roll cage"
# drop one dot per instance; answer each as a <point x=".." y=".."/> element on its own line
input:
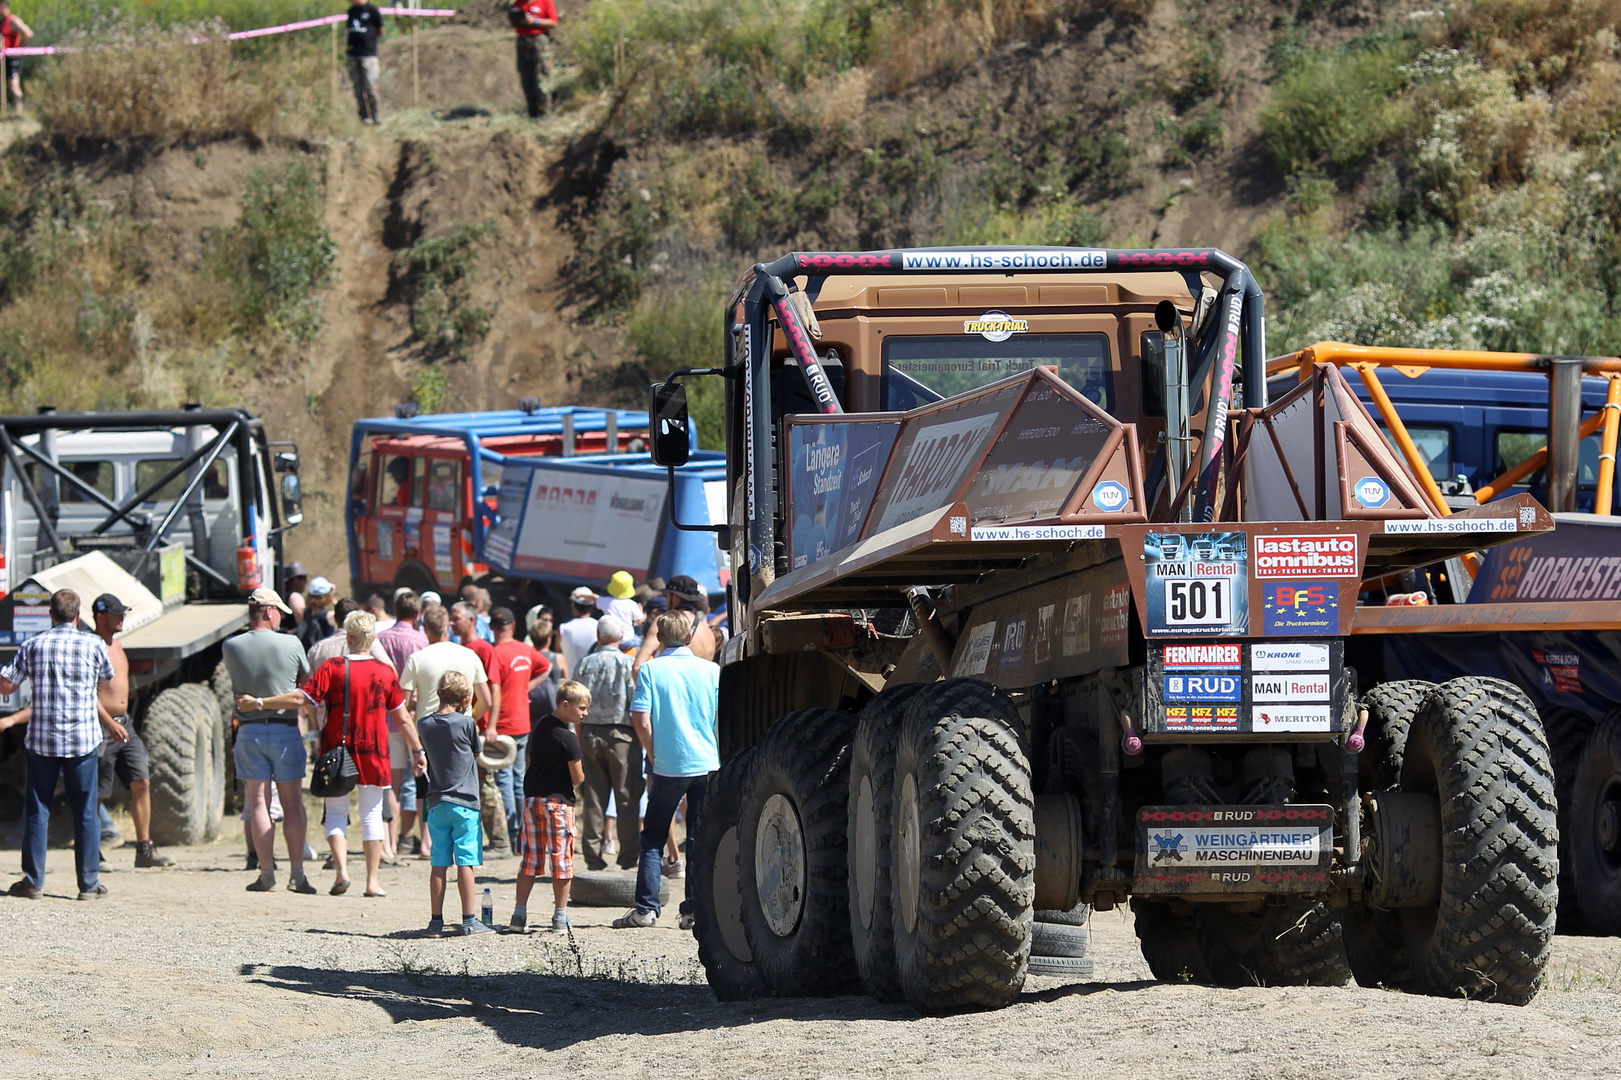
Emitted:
<point x="1237" y="335"/>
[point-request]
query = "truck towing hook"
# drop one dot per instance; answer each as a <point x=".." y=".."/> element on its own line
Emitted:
<point x="1355" y="741"/>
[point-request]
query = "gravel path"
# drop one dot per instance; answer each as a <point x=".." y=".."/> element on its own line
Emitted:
<point x="182" y="973"/>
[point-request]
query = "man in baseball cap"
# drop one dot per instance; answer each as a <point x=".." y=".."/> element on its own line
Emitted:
<point x="264" y="598"/>
<point x="578" y="636"/>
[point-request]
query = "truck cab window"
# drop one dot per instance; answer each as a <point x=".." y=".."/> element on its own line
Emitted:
<point x="443" y="483"/>
<point x="1514" y="447"/>
<point x="394" y="481"/>
<point x="216" y="483"/>
<point x="952" y="364"/>
<point x="1434" y="447"/>
<point x="98" y="474"/>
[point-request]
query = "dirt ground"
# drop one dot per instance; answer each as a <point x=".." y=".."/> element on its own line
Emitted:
<point x="182" y="973"/>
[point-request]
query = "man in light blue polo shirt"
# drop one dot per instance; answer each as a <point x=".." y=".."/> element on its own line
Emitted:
<point x="673" y="712"/>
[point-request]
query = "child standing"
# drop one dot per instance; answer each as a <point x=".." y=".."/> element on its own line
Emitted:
<point x="555" y="768"/>
<point x="450" y="746"/>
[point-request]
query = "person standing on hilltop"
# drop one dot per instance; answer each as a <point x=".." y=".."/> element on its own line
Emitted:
<point x="534" y="21"/>
<point x="365" y="31"/>
<point x="14" y="33"/>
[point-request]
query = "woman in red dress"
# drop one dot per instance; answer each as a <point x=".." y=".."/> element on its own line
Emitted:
<point x="376" y="693"/>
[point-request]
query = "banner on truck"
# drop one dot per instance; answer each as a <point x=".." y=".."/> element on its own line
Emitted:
<point x="575" y="524"/>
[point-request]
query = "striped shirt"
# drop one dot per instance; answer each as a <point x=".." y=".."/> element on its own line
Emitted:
<point x="63" y="664"/>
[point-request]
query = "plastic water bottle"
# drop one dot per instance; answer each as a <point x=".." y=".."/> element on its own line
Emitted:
<point x="489" y="907"/>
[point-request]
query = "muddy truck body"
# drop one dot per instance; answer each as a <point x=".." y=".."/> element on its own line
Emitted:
<point x="1040" y="606"/>
<point x="180" y="514"/>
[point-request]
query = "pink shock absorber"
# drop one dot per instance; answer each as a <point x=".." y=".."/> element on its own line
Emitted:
<point x="1355" y="741"/>
<point x="799" y="344"/>
<point x="1130" y="741"/>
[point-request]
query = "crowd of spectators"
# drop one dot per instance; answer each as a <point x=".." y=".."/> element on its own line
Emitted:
<point x="473" y="734"/>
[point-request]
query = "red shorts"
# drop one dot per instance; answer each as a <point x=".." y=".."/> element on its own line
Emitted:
<point x="548" y="830"/>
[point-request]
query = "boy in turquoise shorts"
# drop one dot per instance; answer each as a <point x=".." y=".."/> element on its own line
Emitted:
<point x="450" y="746"/>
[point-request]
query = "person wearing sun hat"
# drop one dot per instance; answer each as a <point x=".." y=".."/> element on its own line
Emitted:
<point x="621" y="603"/>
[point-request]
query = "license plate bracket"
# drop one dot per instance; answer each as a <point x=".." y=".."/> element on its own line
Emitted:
<point x="1185" y="850"/>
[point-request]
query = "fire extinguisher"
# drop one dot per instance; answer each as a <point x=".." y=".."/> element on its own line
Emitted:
<point x="247" y="566"/>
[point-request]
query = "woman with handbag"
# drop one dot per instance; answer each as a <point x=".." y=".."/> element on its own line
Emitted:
<point x="359" y="692"/>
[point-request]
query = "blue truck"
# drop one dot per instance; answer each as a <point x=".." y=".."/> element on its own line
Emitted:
<point x="1471" y="427"/>
<point x="529" y="502"/>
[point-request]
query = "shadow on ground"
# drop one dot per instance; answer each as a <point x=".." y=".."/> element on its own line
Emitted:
<point x="554" y="1012"/>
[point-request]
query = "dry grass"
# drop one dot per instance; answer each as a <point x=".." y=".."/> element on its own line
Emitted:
<point x="179" y="82"/>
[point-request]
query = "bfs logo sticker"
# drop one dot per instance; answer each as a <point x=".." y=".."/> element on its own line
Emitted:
<point x="1301" y="607"/>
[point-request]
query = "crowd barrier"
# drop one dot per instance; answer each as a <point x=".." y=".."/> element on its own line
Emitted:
<point x="243" y="35"/>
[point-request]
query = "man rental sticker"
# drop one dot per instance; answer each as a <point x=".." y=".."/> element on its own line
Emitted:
<point x="1198" y="583"/>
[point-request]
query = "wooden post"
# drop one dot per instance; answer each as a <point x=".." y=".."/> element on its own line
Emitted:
<point x="416" y="83"/>
<point x="334" y="71"/>
<point x="5" y="83"/>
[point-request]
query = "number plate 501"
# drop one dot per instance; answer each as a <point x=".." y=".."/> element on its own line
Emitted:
<point x="1198" y="601"/>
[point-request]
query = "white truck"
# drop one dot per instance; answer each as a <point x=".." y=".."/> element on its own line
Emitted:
<point x="179" y="513"/>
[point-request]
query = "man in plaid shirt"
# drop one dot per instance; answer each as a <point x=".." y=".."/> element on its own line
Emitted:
<point x="66" y="666"/>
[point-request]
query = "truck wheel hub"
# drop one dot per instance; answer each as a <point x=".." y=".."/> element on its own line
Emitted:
<point x="908" y="853"/>
<point x="864" y="848"/>
<point x="1609" y="825"/>
<point x="779" y="865"/>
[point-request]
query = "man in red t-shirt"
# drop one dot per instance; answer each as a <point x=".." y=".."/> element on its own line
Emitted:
<point x="534" y="21"/>
<point x="516" y="666"/>
<point x="15" y="34"/>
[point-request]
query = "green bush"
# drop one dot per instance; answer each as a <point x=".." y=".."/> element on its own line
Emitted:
<point x="1337" y="106"/>
<point x="685" y="328"/>
<point x="435" y="273"/>
<point x="279" y="256"/>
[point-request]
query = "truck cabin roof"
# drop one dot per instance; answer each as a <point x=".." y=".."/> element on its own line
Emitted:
<point x="544" y="445"/>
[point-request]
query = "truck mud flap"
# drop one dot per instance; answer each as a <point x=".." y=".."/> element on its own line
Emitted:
<point x="1191" y="850"/>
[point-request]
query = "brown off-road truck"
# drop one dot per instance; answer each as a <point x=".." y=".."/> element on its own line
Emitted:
<point x="1040" y="605"/>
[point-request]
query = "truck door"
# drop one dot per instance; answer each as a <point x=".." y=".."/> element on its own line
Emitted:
<point x="443" y="514"/>
<point x="396" y="515"/>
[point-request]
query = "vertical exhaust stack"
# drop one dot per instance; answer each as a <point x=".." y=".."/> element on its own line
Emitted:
<point x="1178" y="442"/>
<point x="1564" y="440"/>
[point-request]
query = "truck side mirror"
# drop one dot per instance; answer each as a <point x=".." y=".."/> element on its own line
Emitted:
<point x="286" y="461"/>
<point x="292" y="499"/>
<point x="667" y="411"/>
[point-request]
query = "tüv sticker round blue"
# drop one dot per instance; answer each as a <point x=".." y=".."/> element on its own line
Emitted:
<point x="1371" y="492"/>
<point x="1109" y="495"/>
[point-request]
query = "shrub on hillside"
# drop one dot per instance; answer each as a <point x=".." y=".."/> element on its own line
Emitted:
<point x="1337" y="106"/>
<point x="279" y="256"/>
<point x="182" y="81"/>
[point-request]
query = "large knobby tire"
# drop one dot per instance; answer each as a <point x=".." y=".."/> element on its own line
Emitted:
<point x="1293" y="944"/>
<point x="1375" y="942"/>
<point x="1170" y="942"/>
<point x="225" y="698"/>
<point x="791" y="855"/>
<point x="717" y="909"/>
<point x="185" y="742"/>
<point x="871" y="832"/>
<point x="964" y="849"/>
<point x="1477" y="745"/>
<point x="1595" y="828"/>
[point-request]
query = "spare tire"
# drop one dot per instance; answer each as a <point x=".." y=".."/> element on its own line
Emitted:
<point x="185" y="742"/>
<point x="610" y="889"/>
<point x="723" y="946"/>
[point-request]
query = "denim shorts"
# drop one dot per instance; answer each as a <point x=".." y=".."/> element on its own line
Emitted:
<point x="270" y="752"/>
<point x="455" y="834"/>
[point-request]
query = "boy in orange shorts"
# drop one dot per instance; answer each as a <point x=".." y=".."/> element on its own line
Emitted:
<point x="555" y="769"/>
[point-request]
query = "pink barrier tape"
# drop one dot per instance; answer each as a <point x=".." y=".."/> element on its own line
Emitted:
<point x="241" y="35"/>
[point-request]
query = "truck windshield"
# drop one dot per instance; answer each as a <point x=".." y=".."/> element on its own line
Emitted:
<point x="953" y="364"/>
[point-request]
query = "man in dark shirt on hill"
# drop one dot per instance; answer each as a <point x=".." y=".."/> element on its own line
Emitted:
<point x="365" y="31"/>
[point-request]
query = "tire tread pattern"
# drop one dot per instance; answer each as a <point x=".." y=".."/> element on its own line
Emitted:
<point x="1597" y="884"/>
<point x="730" y="976"/>
<point x="1499" y="842"/>
<point x="977" y="835"/>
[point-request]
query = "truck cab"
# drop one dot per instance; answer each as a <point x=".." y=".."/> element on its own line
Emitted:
<point x="423" y="491"/>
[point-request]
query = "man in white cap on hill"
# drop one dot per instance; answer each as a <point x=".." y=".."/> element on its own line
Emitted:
<point x="578" y="636"/>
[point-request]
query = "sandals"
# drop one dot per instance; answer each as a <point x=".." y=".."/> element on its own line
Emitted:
<point x="373" y="895"/>
<point x="339" y="888"/>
